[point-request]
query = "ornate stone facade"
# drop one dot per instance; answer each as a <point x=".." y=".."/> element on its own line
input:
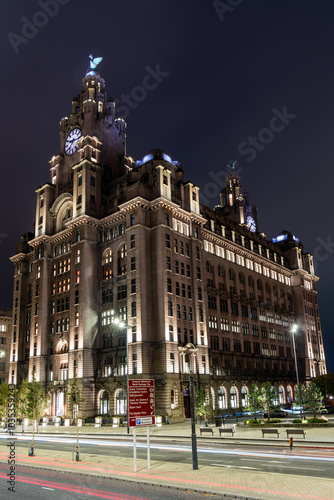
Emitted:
<point x="200" y="290"/>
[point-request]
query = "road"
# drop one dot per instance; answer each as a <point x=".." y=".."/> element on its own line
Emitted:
<point x="308" y="462"/>
<point x="41" y="484"/>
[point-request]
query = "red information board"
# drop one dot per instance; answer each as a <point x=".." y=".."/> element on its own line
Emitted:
<point x="141" y="402"/>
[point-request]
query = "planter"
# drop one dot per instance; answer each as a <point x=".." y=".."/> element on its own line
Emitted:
<point x="98" y="421"/>
<point x="115" y="421"/>
<point x="158" y="421"/>
<point x="67" y="422"/>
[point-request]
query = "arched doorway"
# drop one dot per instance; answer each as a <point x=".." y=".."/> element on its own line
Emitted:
<point x="104" y="403"/>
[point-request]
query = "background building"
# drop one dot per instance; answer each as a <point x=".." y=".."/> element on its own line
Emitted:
<point x="200" y="290"/>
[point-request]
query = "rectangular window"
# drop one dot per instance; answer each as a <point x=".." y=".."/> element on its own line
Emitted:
<point x="167" y="241"/>
<point x="169" y="285"/>
<point x="170" y="308"/>
<point x="132" y="220"/>
<point x="134" y="309"/>
<point x="132" y="241"/>
<point x="255" y="330"/>
<point x="226" y="344"/>
<point x="133" y="263"/>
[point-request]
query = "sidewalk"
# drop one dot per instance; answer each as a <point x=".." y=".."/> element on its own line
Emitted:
<point x="217" y="480"/>
<point x="315" y="436"/>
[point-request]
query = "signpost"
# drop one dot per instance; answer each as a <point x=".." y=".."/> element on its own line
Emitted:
<point x="141" y="410"/>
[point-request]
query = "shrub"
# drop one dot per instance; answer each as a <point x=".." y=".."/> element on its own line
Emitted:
<point x="275" y="421"/>
<point x="254" y="421"/>
<point x="297" y="421"/>
<point x="317" y="420"/>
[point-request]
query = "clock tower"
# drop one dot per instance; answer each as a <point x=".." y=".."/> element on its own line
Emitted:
<point x="234" y="202"/>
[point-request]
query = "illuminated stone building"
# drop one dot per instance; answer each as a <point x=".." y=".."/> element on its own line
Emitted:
<point x="200" y="290"/>
<point x="5" y="340"/>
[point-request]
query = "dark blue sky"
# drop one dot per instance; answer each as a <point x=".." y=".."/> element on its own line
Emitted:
<point x="224" y="77"/>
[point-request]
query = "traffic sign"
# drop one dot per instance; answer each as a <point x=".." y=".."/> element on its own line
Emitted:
<point x="141" y="402"/>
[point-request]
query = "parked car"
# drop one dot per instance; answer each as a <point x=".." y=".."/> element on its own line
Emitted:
<point x="276" y="414"/>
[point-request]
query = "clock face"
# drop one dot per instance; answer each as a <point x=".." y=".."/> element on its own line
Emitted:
<point x="251" y="223"/>
<point x="71" y="143"/>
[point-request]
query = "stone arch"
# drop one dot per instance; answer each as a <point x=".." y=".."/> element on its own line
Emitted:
<point x="281" y="395"/>
<point x="222" y="399"/>
<point x="234" y="397"/>
<point x="289" y="394"/>
<point x="107" y="256"/>
<point x="213" y="397"/>
<point x="62" y="209"/>
<point x="103" y="401"/>
<point x="120" y="401"/>
<point x="244" y="396"/>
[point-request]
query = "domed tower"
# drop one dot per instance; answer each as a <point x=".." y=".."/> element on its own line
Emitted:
<point x="234" y="201"/>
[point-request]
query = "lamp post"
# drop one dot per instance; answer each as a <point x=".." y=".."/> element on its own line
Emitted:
<point x="293" y="331"/>
<point x="124" y="325"/>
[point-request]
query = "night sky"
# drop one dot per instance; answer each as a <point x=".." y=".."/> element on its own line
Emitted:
<point x="226" y="69"/>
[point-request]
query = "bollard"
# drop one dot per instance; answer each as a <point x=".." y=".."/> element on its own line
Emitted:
<point x="77" y="455"/>
<point x="31" y="452"/>
<point x="291" y="443"/>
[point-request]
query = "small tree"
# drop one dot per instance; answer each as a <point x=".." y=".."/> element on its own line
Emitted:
<point x="254" y="402"/>
<point x="313" y="399"/>
<point x="37" y="402"/>
<point x="325" y="384"/>
<point x="203" y="406"/>
<point x="4" y="396"/>
<point x="22" y="401"/>
<point x="268" y="396"/>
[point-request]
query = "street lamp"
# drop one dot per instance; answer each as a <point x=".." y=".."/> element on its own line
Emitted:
<point x="293" y="331"/>
<point x="124" y="325"/>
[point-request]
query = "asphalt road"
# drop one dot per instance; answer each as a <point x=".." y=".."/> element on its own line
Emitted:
<point x="306" y="462"/>
<point x="40" y="484"/>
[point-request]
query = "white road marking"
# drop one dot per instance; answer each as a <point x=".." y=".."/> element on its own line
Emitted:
<point x="233" y="466"/>
<point x="45" y="488"/>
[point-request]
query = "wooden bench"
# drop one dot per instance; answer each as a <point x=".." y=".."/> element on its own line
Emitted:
<point x="295" y="431"/>
<point x="230" y="430"/>
<point x="270" y="431"/>
<point x="206" y="429"/>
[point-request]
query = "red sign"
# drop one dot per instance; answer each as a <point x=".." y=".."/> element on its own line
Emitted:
<point x="141" y="402"/>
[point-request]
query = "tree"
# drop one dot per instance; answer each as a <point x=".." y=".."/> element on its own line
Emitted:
<point x="4" y="396"/>
<point x="313" y="399"/>
<point x="22" y="402"/>
<point x="37" y="402"/>
<point x="203" y="406"/>
<point x="325" y="384"/>
<point x="268" y="397"/>
<point x="254" y="402"/>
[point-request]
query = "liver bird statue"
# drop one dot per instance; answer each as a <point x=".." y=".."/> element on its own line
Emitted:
<point x="93" y="63"/>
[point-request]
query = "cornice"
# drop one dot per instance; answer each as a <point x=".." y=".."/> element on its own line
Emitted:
<point x="245" y="252"/>
<point x="177" y="210"/>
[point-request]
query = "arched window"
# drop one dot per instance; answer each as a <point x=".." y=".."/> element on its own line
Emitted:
<point x="250" y="282"/>
<point x="120" y="402"/>
<point x="221" y="272"/>
<point x="259" y="285"/>
<point x="121" y="260"/>
<point x="104" y="403"/>
<point x="281" y="395"/>
<point x="233" y="397"/>
<point x="268" y="289"/>
<point x="244" y="396"/>
<point x="221" y="398"/>
<point x="289" y="394"/>
<point x="275" y="290"/>
<point x="231" y="274"/>
<point x="241" y="278"/>
<point x="107" y="257"/>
